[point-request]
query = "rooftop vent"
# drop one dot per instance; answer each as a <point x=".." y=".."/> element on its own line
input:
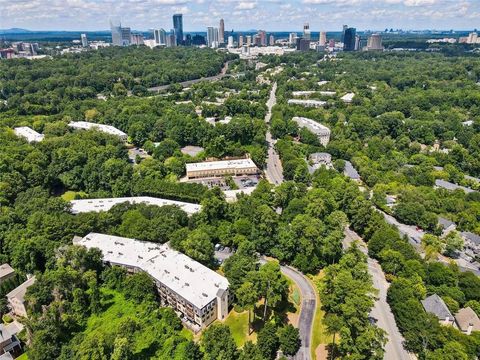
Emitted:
<point x="176" y="277"/>
<point x="204" y="294"/>
<point x="187" y="284"/>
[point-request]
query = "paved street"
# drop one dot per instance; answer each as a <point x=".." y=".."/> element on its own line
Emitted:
<point x="307" y="310"/>
<point x="187" y="83"/>
<point x="415" y="238"/>
<point x="273" y="170"/>
<point x="381" y="310"/>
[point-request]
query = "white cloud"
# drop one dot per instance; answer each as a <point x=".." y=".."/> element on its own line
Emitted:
<point x="246" y="5"/>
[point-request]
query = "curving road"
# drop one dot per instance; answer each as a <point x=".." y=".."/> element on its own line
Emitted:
<point x="187" y="83"/>
<point x="307" y="309"/>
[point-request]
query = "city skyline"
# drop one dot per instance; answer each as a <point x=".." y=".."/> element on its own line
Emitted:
<point x="272" y="15"/>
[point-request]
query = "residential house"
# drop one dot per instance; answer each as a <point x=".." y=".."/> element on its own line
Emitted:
<point x="435" y="305"/>
<point x="6" y="272"/>
<point x="467" y="320"/>
<point x="446" y="225"/>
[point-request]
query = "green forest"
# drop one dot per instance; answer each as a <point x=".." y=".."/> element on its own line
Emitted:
<point x="414" y="119"/>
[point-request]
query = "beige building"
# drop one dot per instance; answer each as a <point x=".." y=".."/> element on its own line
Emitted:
<point x="221" y="168"/>
<point x="16" y="298"/>
<point x="6" y="272"/>
<point x="198" y="293"/>
<point x="467" y="320"/>
<point x="322" y="132"/>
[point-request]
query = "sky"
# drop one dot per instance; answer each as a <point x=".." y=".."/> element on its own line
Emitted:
<point x="271" y="15"/>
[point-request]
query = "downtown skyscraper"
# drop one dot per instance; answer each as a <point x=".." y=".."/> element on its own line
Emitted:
<point x="178" y="27"/>
<point x="349" y="39"/>
<point x="221" y="32"/>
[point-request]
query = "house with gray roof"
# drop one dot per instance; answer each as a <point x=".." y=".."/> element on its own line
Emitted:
<point x="446" y="225"/>
<point x="472" y="243"/>
<point x="435" y="305"/>
<point x="8" y="339"/>
<point x="467" y="320"/>
<point x="439" y="183"/>
<point x="350" y="171"/>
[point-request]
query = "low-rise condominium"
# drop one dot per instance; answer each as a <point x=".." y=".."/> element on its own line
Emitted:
<point x="108" y="129"/>
<point x="221" y="168"/>
<point x="198" y="293"/>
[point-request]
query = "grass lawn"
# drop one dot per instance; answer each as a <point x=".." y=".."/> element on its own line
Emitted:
<point x="70" y="195"/>
<point x="318" y="332"/>
<point x="238" y="324"/>
<point x="23" y="357"/>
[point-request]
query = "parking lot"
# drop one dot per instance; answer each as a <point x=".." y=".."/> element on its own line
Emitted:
<point x="242" y="182"/>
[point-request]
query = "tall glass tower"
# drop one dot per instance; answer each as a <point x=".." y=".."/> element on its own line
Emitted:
<point x="178" y="27"/>
<point x="349" y="39"/>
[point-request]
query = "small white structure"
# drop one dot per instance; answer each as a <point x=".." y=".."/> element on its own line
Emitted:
<point x="108" y="129"/>
<point x="231" y="195"/>
<point x="16" y="298"/>
<point x="467" y="123"/>
<point x="347" y="98"/>
<point x="197" y="292"/>
<point x="28" y="134"/>
<point x="97" y="205"/>
<point x="307" y="103"/>
<point x="323" y="82"/>
<point x="322" y="132"/>
<point x="6" y="272"/>
<point x="221" y="168"/>
<point x="328" y="93"/>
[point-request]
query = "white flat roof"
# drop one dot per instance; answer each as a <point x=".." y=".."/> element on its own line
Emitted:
<point x="97" y="205"/>
<point x="188" y="278"/>
<point x="29" y="134"/>
<point x="301" y="93"/>
<point x="84" y="125"/>
<point x="221" y="165"/>
<point x="348" y="97"/>
<point x="231" y="195"/>
<point x="312" y="125"/>
<point x="307" y="102"/>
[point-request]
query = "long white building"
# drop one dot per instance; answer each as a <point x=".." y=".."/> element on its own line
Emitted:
<point x="97" y="205"/>
<point x="307" y="103"/>
<point x="322" y="132"/>
<point x="84" y="125"/>
<point x="197" y="292"/>
<point x="28" y="134"/>
<point x="221" y="168"/>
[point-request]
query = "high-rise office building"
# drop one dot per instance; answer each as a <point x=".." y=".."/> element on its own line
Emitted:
<point x="84" y="40"/>
<point x="160" y="36"/>
<point x="303" y="44"/>
<point x="171" y="39"/>
<point x="249" y="40"/>
<point x="323" y="38"/>
<point x="472" y="38"/>
<point x="212" y="37"/>
<point x="307" y="35"/>
<point x="198" y="39"/>
<point x="221" y="32"/>
<point x="292" y="38"/>
<point x="116" y="28"/>
<point x="263" y="37"/>
<point x="345" y="27"/>
<point x="349" y="39"/>
<point x="374" y="43"/>
<point x="271" y="40"/>
<point x="137" y="39"/>
<point x="126" y="36"/>
<point x="178" y="26"/>
<point x="230" y="41"/>
<point x="240" y="41"/>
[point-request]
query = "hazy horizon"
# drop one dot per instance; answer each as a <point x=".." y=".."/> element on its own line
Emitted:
<point x="271" y="15"/>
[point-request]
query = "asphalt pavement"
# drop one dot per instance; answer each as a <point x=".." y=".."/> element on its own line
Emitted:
<point x="273" y="169"/>
<point x="381" y="312"/>
<point x="187" y="83"/>
<point x="307" y="309"/>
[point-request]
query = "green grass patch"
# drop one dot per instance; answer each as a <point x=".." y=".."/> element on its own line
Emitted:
<point x="72" y="195"/>
<point x="295" y="296"/>
<point x="319" y="335"/>
<point x="24" y="356"/>
<point x="238" y="325"/>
